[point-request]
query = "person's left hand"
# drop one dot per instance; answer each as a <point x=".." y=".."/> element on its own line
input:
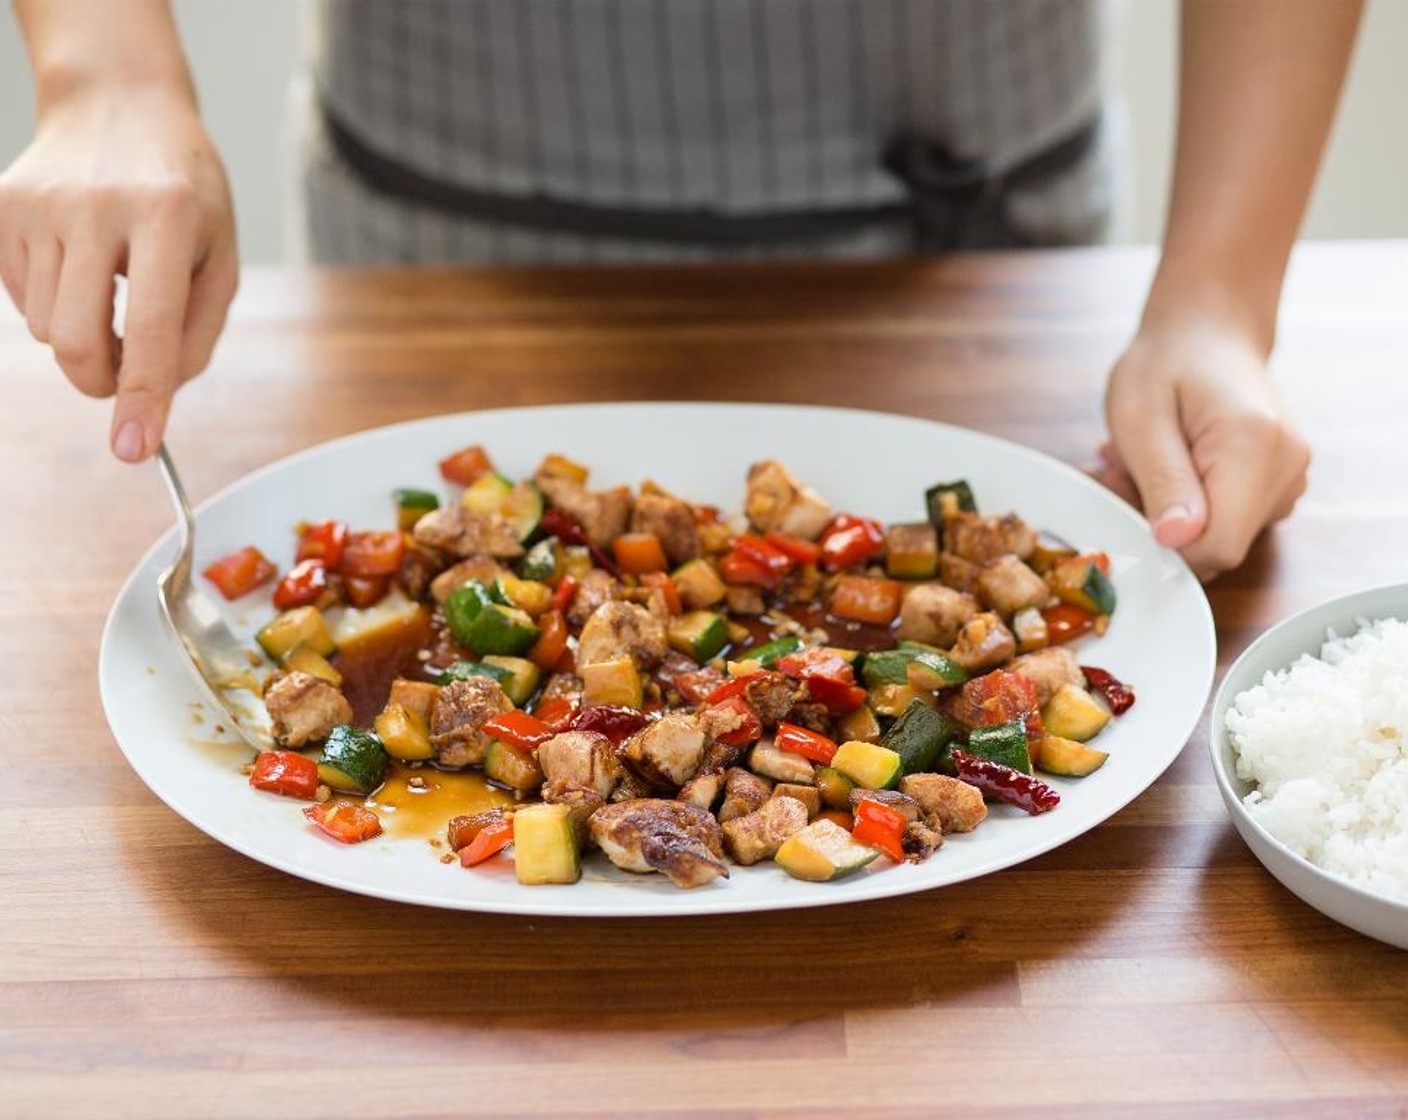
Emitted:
<point x="1201" y="440"/>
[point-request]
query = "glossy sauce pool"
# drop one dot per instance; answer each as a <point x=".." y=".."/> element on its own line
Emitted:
<point x="408" y="810"/>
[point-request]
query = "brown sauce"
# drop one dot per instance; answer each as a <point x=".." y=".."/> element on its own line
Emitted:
<point x="419" y="801"/>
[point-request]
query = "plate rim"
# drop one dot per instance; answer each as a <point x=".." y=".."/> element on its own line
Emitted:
<point x="877" y="887"/>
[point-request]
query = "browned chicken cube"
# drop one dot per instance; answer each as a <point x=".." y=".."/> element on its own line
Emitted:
<point x="580" y="758"/>
<point x="603" y="514"/>
<point x="1049" y="669"/>
<point x="703" y="789"/>
<point x="414" y="696"/>
<point x="958" y="573"/>
<point x="456" y="531"/>
<point x="744" y="791"/>
<point x="1007" y="586"/>
<point x="617" y="630"/>
<point x="304" y="708"/>
<point x="778" y="501"/>
<point x="460" y="711"/>
<point x="672" y="521"/>
<point x="934" y="614"/>
<point x="667" y="751"/>
<point x="682" y="841"/>
<point x="758" y="835"/>
<point x="921" y="839"/>
<point x="809" y="796"/>
<point x="596" y="587"/>
<point x="772" y="696"/>
<point x="892" y="798"/>
<point x="983" y="643"/>
<point x="956" y="805"/>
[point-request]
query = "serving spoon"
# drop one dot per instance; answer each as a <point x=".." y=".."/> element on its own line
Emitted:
<point x="220" y="662"/>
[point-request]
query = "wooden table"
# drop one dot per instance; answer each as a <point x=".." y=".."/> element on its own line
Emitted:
<point x="1149" y="968"/>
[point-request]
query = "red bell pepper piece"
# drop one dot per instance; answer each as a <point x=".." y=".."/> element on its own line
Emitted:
<point x="1065" y="621"/>
<point x="1118" y="695"/>
<point x="736" y="567"/>
<point x="735" y="687"/>
<point x="809" y="744"/>
<point x="556" y="712"/>
<point x="838" y="696"/>
<point x="867" y="600"/>
<point x="365" y="591"/>
<point x="1002" y="783"/>
<point x="303" y="585"/>
<point x="463" y="468"/>
<point x="518" y="729"/>
<point x="344" y="821"/>
<point x="563" y="593"/>
<point x="552" y="640"/>
<point x="488" y="840"/>
<point x="764" y="554"/>
<point x="375" y="552"/>
<point x="750" y="727"/>
<point x="240" y="572"/>
<point x="801" y="552"/>
<point x="616" y="723"/>
<point x="697" y="687"/>
<point x="815" y="661"/>
<point x="880" y="826"/>
<point x="996" y="698"/>
<point x="851" y="541"/>
<point x="324" y="541"/>
<point x="638" y="553"/>
<point x="285" y="772"/>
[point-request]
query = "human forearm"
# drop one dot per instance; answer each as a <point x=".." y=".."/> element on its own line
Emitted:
<point x="1259" y="81"/>
<point x="75" y="45"/>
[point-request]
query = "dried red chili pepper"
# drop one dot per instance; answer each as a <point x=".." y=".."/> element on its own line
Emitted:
<point x="568" y="530"/>
<point x="616" y="723"/>
<point x="1005" y="784"/>
<point x="1117" y="694"/>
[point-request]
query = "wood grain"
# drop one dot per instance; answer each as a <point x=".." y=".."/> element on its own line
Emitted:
<point x="1149" y="968"/>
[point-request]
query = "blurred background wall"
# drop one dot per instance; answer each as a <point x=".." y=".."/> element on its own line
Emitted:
<point x="245" y="55"/>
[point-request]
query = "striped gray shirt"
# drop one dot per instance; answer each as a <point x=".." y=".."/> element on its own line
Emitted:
<point x="740" y="107"/>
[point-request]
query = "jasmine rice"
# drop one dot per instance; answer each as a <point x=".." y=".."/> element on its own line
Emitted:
<point x="1326" y="742"/>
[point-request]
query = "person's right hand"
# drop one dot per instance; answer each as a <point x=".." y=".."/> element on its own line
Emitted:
<point x="121" y="181"/>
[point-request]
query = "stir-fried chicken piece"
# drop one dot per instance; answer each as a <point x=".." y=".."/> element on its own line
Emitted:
<point x="484" y="569"/>
<point x="893" y="798"/>
<point x="460" y="711"/>
<point x="667" y="751"/>
<point x="618" y="629"/>
<point x="958" y="573"/>
<point x="1017" y="535"/>
<point x="703" y="789"/>
<point x="603" y="514"/>
<point x="757" y="836"/>
<point x="744" y="600"/>
<point x="1008" y="586"/>
<point x="934" y="614"/>
<point x="682" y="841"/>
<point x="418" y="569"/>
<point x="809" y="796"/>
<point x="921" y="839"/>
<point x="632" y="787"/>
<point x="414" y="696"/>
<point x="580" y="758"/>
<point x="811" y="715"/>
<point x="983" y="539"/>
<point x="771" y="696"/>
<point x="983" y="643"/>
<point x="563" y="686"/>
<point x="744" y="791"/>
<point x="955" y="805"/>
<point x="461" y="532"/>
<point x="672" y="521"/>
<point x="596" y="587"/>
<point x="778" y="501"/>
<point x="1049" y="669"/>
<point x="581" y="803"/>
<point x="304" y="708"/>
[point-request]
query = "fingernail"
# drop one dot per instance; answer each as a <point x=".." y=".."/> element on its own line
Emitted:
<point x="1175" y="513"/>
<point x="129" y="442"/>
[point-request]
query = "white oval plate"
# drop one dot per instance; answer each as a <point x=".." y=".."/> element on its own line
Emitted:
<point x="1161" y="639"/>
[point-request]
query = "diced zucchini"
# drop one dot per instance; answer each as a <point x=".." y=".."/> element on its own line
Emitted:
<point x="521" y="677"/>
<point x="821" y="852"/>
<point x="859" y="723"/>
<point x="545" y="845"/>
<point x="307" y="660"/>
<point x="933" y="671"/>
<point x="485" y="626"/>
<point x="1072" y="713"/>
<point x="403" y="733"/>
<point x="868" y="765"/>
<point x="767" y="654"/>
<point x="885" y="666"/>
<point x="412" y="505"/>
<point x="1080" y="582"/>
<point x="834" y="786"/>
<point x="523" y="509"/>
<point x="543" y="562"/>
<point x="463" y="670"/>
<point x="1030" y="629"/>
<point x="921" y="737"/>
<point x="1006" y="744"/>
<point x="1068" y="758"/>
<point x="559" y="466"/>
<point x="612" y="682"/>
<point x="576" y="560"/>
<point x="1048" y="552"/>
<point x="698" y="634"/>
<point x="911" y="551"/>
<point x="352" y="760"/>
<point x="300" y="626"/>
<point x="699" y="585"/>
<point x="890" y="700"/>
<point x="512" y="767"/>
<point x="487" y="493"/>
<point x="782" y="766"/>
<point x="949" y="499"/>
<point x="528" y="595"/>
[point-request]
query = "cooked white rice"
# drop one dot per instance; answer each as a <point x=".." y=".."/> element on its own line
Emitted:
<point x="1326" y="742"/>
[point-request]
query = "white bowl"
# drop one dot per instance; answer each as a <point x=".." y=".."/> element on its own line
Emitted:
<point x="1371" y="914"/>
